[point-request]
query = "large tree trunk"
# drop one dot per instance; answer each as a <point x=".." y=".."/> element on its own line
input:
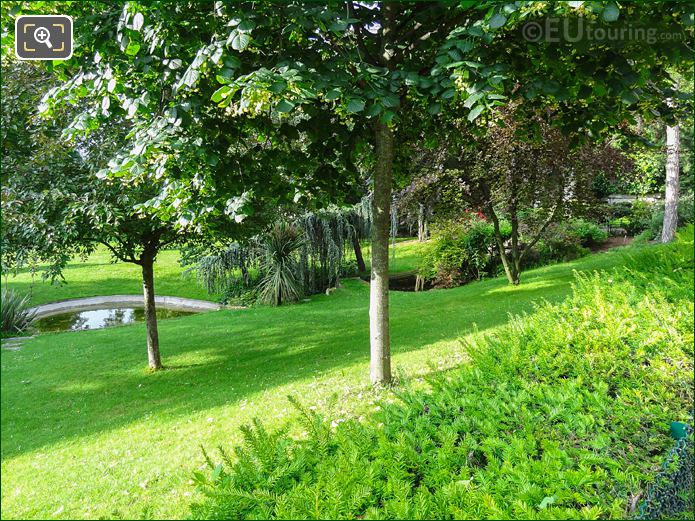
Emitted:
<point x="668" y="231"/>
<point x="361" y="266"/>
<point x="153" y="358"/>
<point x="379" y="287"/>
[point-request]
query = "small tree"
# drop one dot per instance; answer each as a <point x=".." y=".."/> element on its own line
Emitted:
<point x="532" y="182"/>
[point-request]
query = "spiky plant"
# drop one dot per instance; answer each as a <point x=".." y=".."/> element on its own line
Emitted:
<point x="279" y="283"/>
<point x="16" y="314"/>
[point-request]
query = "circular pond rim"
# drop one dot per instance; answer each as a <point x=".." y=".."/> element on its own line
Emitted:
<point x="115" y="301"/>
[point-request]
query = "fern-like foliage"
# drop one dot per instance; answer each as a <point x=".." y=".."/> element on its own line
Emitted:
<point x="562" y="414"/>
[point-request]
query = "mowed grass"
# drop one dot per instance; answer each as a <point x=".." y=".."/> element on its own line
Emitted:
<point x="87" y="432"/>
<point x="99" y="275"/>
<point x="404" y="257"/>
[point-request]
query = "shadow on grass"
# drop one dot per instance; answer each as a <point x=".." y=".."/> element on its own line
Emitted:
<point x="64" y="386"/>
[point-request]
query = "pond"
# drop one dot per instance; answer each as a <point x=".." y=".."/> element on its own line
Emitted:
<point x="101" y="318"/>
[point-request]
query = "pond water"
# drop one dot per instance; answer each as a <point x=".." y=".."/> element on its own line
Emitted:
<point x="101" y="318"/>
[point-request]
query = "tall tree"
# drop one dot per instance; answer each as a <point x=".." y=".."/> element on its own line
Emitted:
<point x="668" y="231"/>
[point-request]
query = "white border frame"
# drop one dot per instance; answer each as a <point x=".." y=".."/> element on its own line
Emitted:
<point x="16" y="40"/>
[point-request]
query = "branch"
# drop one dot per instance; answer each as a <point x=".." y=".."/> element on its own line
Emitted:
<point x="550" y="219"/>
<point x="115" y="253"/>
<point x="361" y="46"/>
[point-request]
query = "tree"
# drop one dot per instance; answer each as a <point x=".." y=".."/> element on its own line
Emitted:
<point x="531" y="182"/>
<point x="179" y="171"/>
<point x="668" y="231"/>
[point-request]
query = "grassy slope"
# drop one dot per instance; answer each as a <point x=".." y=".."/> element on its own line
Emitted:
<point x="86" y="432"/>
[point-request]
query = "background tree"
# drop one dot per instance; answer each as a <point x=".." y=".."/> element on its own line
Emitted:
<point x="672" y="185"/>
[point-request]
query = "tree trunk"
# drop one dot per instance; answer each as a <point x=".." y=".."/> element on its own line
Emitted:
<point x="379" y="286"/>
<point x="421" y="222"/>
<point x="511" y="266"/>
<point x="153" y="358"/>
<point x="361" y="266"/>
<point x="668" y="231"/>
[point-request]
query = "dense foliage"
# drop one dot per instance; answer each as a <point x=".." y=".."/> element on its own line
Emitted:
<point x="564" y="413"/>
<point x="465" y="249"/>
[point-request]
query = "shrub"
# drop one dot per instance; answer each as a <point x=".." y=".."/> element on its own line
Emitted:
<point x="634" y="218"/>
<point x="569" y="240"/>
<point x="460" y="251"/>
<point x="562" y="414"/>
<point x="685" y="216"/>
<point x="279" y="284"/>
<point x="16" y="314"/>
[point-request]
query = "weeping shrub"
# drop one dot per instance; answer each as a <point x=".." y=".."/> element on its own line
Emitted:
<point x="279" y="283"/>
<point x="327" y="237"/>
<point x="16" y="314"/>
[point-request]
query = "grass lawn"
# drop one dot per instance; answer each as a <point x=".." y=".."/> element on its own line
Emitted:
<point x="100" y="276"/>
<point x="404" y="257"/>
<point x="87" y="432"/>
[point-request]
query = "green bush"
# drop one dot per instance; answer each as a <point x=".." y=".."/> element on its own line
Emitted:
<point x="569" y="240"/>
<point x="685" y="216"/>
<point x="564" y="413"/>
<point x="460" y="250"/>
<point x="634" y="217"/>
<point x="15" y="311"/>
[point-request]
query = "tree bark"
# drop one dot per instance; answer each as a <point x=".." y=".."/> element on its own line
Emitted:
<point x="421" y="223"/>
<point x="361" y="266"/>
<point x="380" y="343"/>
<point x="668" y="231"/>
<point x="153" y="358"/>
<point x="511" y="267"/>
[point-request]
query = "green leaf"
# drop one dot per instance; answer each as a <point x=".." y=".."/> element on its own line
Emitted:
<point x="387" y="117"/>
<point x="246" y="26"/>
<point x="497" y="21"/>
<point x="374" y="109"/>
<point x="355" y="105"/>
<point x="132" y="49"/>
<point x="238" y="40"/>
<point x="338" y="26"/>
<point x="473" y="99"/>
<point x="610" y="13"/>
<point x="278" y="87"/>
<point x="174" y="64"/>
<point x="225" y="76"/>
<point x="435" y="108"/>
<point x="220" y="94"/>
<point x="449" y="93"/>
<point x="105" y="103"/>
<point x="332" y="94"/>
<point x="190" y="77"/>
<point x="390" y="100"/>
<point x="232" y="62"/>
<point x="476" y="112"/>
<point x="284" y="106"/>
<point x="629" y="97"/>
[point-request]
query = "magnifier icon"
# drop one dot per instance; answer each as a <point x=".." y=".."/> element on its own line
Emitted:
<point x="43" y="35"/>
